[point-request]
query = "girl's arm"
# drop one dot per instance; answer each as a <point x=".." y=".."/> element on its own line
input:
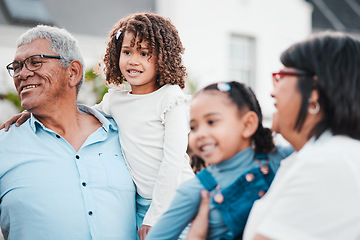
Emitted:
<point x="199" y="227"/>
<point x="104" y="105"/>
<point x="174" y="161"/>
<point x="180" y="213"/>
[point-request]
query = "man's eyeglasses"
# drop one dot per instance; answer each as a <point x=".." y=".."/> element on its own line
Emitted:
<point x="279" y="75"/>
<point x="32" y="63"/>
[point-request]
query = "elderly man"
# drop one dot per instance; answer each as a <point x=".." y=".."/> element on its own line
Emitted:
<point x="62" y="172"/>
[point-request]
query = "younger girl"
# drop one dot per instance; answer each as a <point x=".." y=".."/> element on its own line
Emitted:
<point x="145" y="50"/>
<point x="227" y="133"/>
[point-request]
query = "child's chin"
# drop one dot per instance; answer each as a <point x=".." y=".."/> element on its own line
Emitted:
<point x="213" y="161"/>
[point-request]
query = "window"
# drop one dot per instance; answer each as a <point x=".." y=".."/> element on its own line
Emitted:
<point x="242" y="59"/>
<point x="27" y="11"/>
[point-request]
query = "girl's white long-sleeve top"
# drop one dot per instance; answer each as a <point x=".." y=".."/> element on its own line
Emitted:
<point x="153" y="131"/>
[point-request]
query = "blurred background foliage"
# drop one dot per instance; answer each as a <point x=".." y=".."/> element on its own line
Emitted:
<point x="99" y="87"/>
<point x="13" y="98"/>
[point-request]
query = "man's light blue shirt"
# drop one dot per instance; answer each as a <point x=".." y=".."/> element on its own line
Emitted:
<point x="50" y="191"/>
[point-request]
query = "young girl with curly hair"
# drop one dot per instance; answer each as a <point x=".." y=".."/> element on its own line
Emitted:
<point x="145" y="50"/>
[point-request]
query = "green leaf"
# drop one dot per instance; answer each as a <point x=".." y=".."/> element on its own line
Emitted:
<point x="14" y="98"/>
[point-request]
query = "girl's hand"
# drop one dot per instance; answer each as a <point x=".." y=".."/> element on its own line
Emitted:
<point x="17" y="119"/>
<point x="199" y="226"/>
<point x="143" y="231"/>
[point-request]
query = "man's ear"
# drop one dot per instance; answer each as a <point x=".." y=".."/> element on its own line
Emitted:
<point x="251" y="123"/>
<point x="75" y="72"/>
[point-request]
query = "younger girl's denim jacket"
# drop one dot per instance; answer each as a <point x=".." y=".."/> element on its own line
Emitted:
<point x="235" y="201"/>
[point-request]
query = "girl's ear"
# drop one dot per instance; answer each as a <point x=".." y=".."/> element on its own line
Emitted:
<point x="75" y="72"/>
<point x="251" y="123"/>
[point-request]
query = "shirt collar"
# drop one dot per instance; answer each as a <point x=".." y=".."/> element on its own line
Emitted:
<point x="35" y="123"/>
<point x="104" y="121"/>
<point x="307" y="148"/>
<point x="242" y="159"/>
<point x="313" y="142"/>
<point x="106" y="124"/>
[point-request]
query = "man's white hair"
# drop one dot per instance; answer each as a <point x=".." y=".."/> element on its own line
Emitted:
<point x="62" y="43"/>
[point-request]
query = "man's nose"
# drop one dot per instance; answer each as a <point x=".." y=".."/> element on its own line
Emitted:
<point x="24" y="73"/>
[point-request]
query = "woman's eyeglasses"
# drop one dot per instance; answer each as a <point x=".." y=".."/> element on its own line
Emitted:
<point x="280" y="75"/>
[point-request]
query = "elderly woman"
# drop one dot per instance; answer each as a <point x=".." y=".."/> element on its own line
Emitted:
<point x="316" y="191"/>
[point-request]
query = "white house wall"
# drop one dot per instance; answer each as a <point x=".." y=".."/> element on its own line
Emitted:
<point x="205" y="27"/>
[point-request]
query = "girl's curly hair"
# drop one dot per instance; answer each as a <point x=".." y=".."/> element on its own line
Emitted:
<point x="162" y="39"/>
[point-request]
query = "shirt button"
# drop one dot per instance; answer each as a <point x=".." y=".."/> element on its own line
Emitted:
<point x="249" y="177"/>
<point x="77" y="156"/>
<point x="90" y="213"/>
<point x="84" y="184"/>
<point x="58" y="136"/>
<point x="264" y="169"/>
<point x="261" y="193"/>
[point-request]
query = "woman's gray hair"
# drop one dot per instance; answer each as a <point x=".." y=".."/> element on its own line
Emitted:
<point x="62" y="43"/>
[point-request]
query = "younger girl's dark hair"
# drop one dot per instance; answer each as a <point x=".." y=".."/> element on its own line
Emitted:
<point x="244" y="98"/>
<point x="196" y="163"/>
<point x="163" y="42"/>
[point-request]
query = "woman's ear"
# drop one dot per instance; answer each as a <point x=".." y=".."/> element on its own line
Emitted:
<point x="75" y="72"/>
<point x="251" y="123"/>
<point x="314" y="106"/>
<point x="314" y="96"/>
